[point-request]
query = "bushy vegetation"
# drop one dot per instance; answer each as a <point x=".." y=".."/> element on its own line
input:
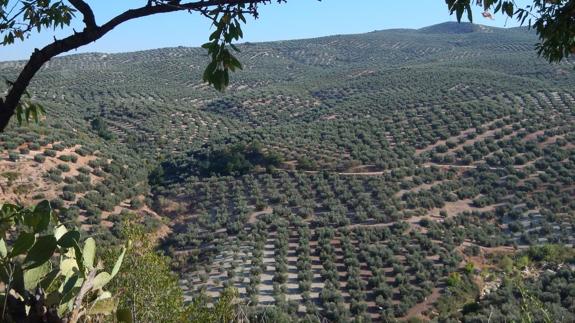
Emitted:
<point x="234" y="160"/>
<point x="37" y="288"/>
<point x="325" y="183"/>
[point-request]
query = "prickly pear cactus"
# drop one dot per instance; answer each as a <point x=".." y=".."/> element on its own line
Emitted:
<point x="48" y="273"/>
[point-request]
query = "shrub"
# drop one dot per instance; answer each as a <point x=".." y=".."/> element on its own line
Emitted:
<point x="69" y="180"/>
<point x="136" y="204"/>
<point x="94" y="215"/>
<point x="10" y="145"/>
<point x="39" y="158"/>
<point x="98" y="172"/>
<point x="34" y="146"/>
<point x="68" y="196"/>
<point x="55" y="177"/>
<point x="64" y="167"/>
<point x="95" y="163"/>
<point x="82" y="152"/>
<point x="65" y="158"/>
<point x="57" y="203"/>
<point x="13" y="156"/>
<point x="83" y="178"/>
<point x="148" y="271"/>
<point x="70" y="214"/>
<point x="84" y="170"/>
<point x="50" y="153"/>
<point x="83" y="203"/>
<point x="106" y="205"/>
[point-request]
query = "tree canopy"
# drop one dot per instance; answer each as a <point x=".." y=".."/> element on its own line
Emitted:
<point x="552" y="20"/>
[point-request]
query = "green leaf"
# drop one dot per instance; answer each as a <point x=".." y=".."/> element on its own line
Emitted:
<point x="68" y="284"/>
<point x="208" y="72"/>
<point x="101" y="280"/>
<point x="79" y="259"/>
<point x="41" y="252"/>
<point x="459" y="13"/>
<point x="487" y="4"/>
<point x="235" y="62"/>
<point x="104" y="295"/>
<point x="235" y="48"/>
<point x="215" y="35"/>
<point x="39" y="219"/>
<point x="60" y="231"/>
<point x="508" y="8"/>
<point x="32" y="277"/>
<point x="208" y="46"/>
<point x="69" y="239"/>
<point x="46" y="283"/>
<point x="89" y="252"/>
<point x="498" y="7"/>
<point x="118" y="263"/>
<point x="3" y="250"/>
<point x="67" y="266"/>
<point x="43" y="208"/>
<point x="469" y="12"/>
<point x="43" y="212"/>
<point x="67" y="300"/>
<point x="239" y="29"/>
<point x="18" y="280"/>
<point x="241" y="16"/>
<point x="103" y="306"/>
<point x="24" y="242"/>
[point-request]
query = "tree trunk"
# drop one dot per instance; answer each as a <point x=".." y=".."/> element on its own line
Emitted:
<point x="37" y="60"/>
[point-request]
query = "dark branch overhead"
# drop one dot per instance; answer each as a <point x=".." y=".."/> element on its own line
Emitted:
<point x="93" y="32"/>
<point x="166" y="7"/>
<point x="86" y="11"/>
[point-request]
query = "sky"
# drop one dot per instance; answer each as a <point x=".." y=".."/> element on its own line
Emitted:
<point x="296" y="19"/>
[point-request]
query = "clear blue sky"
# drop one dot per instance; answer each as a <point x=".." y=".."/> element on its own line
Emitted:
<point x="294" y="20"/>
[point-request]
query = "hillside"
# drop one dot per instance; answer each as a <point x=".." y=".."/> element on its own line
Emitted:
<point x="337" y="177"/>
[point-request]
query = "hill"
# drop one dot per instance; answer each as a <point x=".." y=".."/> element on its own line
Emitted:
<point x="338" y="177"/>
<point x="456" y="28"/>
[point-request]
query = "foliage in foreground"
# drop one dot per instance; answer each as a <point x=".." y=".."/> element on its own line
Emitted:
<point x="147" y="288"/>
<point x="536" y="286"/>
<point x="149" y="291"/>
<point x="548" y="298"/>
<point x="47" y="274"/>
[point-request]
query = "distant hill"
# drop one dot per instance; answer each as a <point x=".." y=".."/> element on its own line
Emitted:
<point x="455" y="28"/>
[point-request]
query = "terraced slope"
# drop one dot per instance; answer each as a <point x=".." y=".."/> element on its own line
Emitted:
<point x="405" y="154"/>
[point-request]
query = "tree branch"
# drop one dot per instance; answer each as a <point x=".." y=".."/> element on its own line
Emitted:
<point x="84" y="8"/>
<point x="40" y="57"/>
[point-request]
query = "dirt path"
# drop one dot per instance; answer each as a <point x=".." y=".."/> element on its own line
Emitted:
<point x="417" y="310"/>
<point x="430" y="164"/>
<point x="254" y="216"/>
